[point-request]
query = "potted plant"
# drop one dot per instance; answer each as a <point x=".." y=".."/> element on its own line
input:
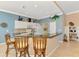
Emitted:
<point x="55" y="17"/>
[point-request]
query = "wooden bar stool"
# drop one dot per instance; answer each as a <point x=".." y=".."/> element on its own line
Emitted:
<point x="39" y="45"/>
<point x="8" y="43"/>
<point x="21" y="45"/>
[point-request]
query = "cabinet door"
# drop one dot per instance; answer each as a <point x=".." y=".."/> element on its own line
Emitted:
<point x="52" y="28"/>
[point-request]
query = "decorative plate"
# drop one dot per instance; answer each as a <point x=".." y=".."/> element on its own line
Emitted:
<point x="4" y="25"/>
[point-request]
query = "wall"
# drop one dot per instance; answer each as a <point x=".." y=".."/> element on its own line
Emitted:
<point x="9" y="19"/>
<point x="74" y="18"/>
<point x="60" y="28"/>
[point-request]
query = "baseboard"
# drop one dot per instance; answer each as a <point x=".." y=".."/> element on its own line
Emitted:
<point x="2" y="43"/>
<point x="77" y="40"/>
<point x="60" y="41"/>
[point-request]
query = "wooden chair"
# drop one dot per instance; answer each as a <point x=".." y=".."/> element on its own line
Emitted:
<point x="8" y="43"/>
<point x="21" y="45"/>
<point x="39" y="45"/>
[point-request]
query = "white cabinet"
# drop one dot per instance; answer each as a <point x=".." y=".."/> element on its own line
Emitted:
<point x="52" y="27"/>
<point x="20" y="24"/>
<point x="25" y="25"/>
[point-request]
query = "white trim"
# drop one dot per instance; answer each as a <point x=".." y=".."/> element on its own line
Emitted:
<point x="72" y="12"/>
<point x="60" y="14"/>
<point x="60" y="41"/>
<point x="2" y="43"/>
<point x="12" y="12"/>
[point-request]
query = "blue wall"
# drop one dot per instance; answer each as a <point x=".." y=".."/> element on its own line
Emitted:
<point x="9" y="19"/>
<point x="60" y="28"/>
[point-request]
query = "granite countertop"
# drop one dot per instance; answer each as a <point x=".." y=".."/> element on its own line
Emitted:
<point x="54" y="35"/>
<point x="49" y="35"/>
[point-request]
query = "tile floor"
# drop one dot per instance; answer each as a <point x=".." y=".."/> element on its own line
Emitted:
<point x="67" y="50"/>
<point x="64" y="50"/>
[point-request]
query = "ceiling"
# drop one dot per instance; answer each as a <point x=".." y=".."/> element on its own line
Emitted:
<point x="69" y="6"/>
<point x="38" y="9"/>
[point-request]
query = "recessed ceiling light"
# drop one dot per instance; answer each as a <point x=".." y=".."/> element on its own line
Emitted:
<point x="35" y="6"/>
<point x="23" y="7"/>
